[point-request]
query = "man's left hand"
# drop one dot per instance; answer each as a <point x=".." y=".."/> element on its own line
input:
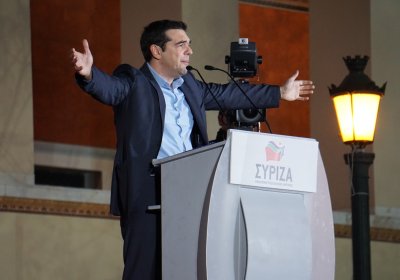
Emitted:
<point x="297" y="89"/>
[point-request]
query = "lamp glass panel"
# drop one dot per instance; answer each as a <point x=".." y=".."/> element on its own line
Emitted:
<point x="365" y="111"/>
<point x="344" y="116"/>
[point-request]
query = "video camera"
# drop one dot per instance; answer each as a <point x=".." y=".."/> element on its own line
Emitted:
<point x="243" y="63"/>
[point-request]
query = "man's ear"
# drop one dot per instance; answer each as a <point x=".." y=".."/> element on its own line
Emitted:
<point x="155" y="51"/>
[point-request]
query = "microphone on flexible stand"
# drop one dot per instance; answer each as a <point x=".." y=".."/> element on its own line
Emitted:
<point x="212" y="68"/>
<point x="190" y="68"/>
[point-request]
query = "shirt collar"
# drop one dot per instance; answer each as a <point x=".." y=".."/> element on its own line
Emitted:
<point x="162" y="82"/>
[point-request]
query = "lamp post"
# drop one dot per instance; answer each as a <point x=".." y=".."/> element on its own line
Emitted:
<point x="356" y="102"/>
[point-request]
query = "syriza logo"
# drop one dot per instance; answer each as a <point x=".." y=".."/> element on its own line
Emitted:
<point x="274" y="151"/>
<point x="272" y="171"/>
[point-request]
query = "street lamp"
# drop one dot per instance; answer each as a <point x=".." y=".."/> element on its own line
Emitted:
<point x="356" y="102"/>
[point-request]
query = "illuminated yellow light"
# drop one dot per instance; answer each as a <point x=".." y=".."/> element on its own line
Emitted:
<point x="356" y="114"/>
<point x="365" y="111"/>
<point x="344" y="115"/>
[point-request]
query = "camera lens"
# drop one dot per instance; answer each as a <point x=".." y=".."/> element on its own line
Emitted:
<point x="250" y="113"/>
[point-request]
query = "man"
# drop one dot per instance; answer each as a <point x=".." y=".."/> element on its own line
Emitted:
<point x="159" y="111"/>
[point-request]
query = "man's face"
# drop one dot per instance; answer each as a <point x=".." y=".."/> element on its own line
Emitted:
<point x="175" y="57"/>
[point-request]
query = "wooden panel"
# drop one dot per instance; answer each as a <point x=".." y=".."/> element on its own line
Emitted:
<point x="376" y="233"/>
<point x="62" y="112"/>
<point x="282" y="38"/>
<point x="297" y="5"/>
<point x="94" y="210"/>
<point x="55" y="207"/>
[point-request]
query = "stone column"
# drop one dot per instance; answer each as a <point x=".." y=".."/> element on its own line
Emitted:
<point x="16" y="109"/>
<point x="212" y="25"/>
<point x="337" y="29"/>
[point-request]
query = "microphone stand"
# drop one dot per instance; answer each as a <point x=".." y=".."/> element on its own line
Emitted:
<point x="190" y="68"/>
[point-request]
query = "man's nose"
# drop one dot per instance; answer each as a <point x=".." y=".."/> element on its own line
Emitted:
<point x="189" y="50"/>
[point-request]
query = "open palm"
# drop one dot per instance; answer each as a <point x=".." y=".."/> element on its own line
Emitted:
<point x="83" y="62"/>
<point x="296" y="89"/>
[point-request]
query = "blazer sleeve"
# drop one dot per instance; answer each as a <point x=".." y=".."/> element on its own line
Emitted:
<point x="232" y="98"/>
<point x="108" y="89"/>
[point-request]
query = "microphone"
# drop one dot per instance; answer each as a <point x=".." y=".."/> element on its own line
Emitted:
<point x="212" y="68"/>
<point x="190" y="68"/>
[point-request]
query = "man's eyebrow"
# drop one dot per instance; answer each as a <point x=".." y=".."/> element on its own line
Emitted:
<point x="183" y="41"/>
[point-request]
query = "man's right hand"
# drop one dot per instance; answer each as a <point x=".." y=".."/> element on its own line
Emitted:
<point x="83" y="62"/>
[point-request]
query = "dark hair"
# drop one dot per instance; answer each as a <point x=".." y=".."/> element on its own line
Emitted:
<point x="154" y="33"/>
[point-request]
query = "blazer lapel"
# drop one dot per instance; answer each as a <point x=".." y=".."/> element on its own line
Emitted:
<point x="193" y="98"/>
<point x="146" y="71"/>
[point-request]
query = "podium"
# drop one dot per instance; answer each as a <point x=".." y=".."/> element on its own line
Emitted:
<point x="214" y="227"/>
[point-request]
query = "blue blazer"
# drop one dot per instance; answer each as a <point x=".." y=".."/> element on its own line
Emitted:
<point x="139" y="110"/>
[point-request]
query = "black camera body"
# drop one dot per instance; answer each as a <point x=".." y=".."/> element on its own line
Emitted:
<point x="243" y="60"/>
<point x="243" y="63"/>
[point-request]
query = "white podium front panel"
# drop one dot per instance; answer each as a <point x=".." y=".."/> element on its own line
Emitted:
<point x="278" y="235"/>
<point x="273" y="161"/>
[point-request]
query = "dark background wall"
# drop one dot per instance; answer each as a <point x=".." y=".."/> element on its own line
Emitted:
<point x="62" y="113"/>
